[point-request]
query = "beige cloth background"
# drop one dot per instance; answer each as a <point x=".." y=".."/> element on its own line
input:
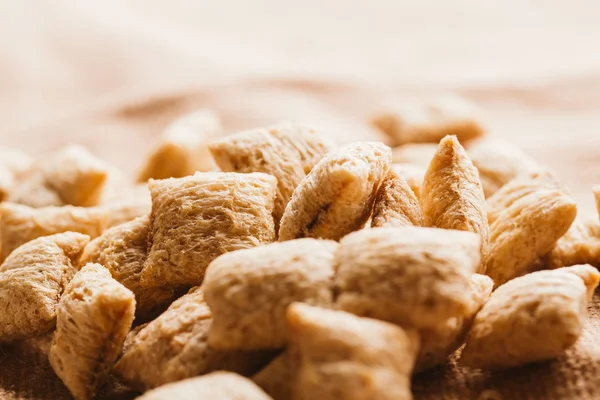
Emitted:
<point x="111" y="74"/>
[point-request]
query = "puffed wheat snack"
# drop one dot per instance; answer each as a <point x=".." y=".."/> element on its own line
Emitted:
<point x="182" y="148"/>
<point x="532" y="318"/>
<point x="451" y="195"/>
<point x="19" y="224"/>
<point x="597" y="196"/>
<point x="527" y="230"/>
<point x="409" y="276"/>
<point x="337" y="196"/>
<point x="249" y="291"/>
<point x="288" y="151"/>
<point x="133" y="203"/>
<point x="429" y="120"/>
<point x="197" y="218"/>
<point x="174" y="347"/>
<point x="499" y="162"/>
<point x="93" y="318"/>
<point x="278" y="379"/>
<point x="396" y="204"/>
<point x="32" y="280"/>
<point x="439" y="342"/>
<point x="122" y="249"/>
<point x="72" y="176"/>
<point x="346" y="357"/>
<point x="214" y="386"/>
<point x="518" y="188"/>
<point x="580" y="245"/>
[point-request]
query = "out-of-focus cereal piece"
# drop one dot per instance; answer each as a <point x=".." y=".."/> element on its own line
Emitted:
<point x="20" y="224"/>
<point x="343" y="356"/>
<point x="337" y="196"/>
<point x="32" y="280"/>
<point x="174" y="347"/>
<point x="527" y="230"/>
<point x="71" y="176"/>
<point x="513" y="327"/>
<point x="439" y="342"/>
<point x="197" y="218"/>
<point x="288" y="151"/>
<point x="123" y="250"/>
<point x="580" y="245"/>
<point x="93" y="318"/>
<point x="396" y="204"/>
<point x="409" y="276"/>
<point x="16" y="161"/>
<point x="7" y="181"/>
<point x="451" y="195"/>
<point x="249" y="291"/>
<point x="278" y="379"/>
<point x="429" y="120"/>
<point x="518" y="188"/>
<point x="413" y="175"/>
<point x="217" y="385"/>
<point x="414" y="153"/>
<point x="182" y="149"/>
<point x="499" y="162"/>
<point x="38" y="345"/>
<point x="134" y="203"/>
<point x="597" y="196"/>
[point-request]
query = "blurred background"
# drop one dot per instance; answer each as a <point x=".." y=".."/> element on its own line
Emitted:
<point x="111" y="74"/>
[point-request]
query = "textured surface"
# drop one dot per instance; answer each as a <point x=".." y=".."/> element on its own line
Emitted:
<point x="346" y="357"/>
<point x="396" y="204"/>
<point x="20" y="224"/>
<point x="512" y="327"/>
<point x="218" y="385"/>
<point x="93" y="318"/>
<point x="197" y="218"/>
<point x="288" y="151"/>
<point x="249" y="291"/>
<point x="337" y="196"/>
<point x="580" y="245"/>
<point x="409" y="275"/>
<point x="451" y="195"/>
<point x="174" y="347"/>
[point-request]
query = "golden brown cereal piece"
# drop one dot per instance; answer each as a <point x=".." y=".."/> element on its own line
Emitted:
<point x="513" y="327"/>
<point x="451" y="195"/>
<point x="415" y="154"/>
<point x="38" y="345"/>
<point x="195" y="219"/>
<point x="214" y="386"/>
<point x="518" y="188"/>
<point x="123" y="250"/>
<point x="174" y="347"/>
<point x="526" y="231"/>
<point x="278" y="379"/>
<point x="71" y="176"/>
<point x="409" y="276"/>
<point x="7" y="181"/>
<point x="19" y="224"/>
<point x="499" y="162"/>
<point x="439" y="342"/>
<point x="346" y="357"/>
<point x="93" y="318"/>
<point x="182" y="148"/>
<point x="597" y="196"/>
<point x="288" y="151"/>
<point x="337" y="196"/>
<point x="32" y="279"/>
<point x="413" y="175"/>
<point x="580" y="245"/>
<point x="396" y="204"/>
<point x="249" y="291"/>
<point x="429" y="120"/>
